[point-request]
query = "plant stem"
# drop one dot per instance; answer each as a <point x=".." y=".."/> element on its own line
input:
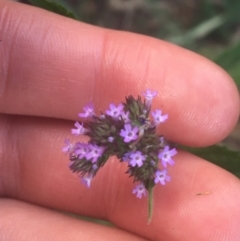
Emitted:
<point x="150" y="204"/>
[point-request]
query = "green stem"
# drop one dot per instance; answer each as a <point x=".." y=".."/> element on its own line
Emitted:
<point x="150" y="204"/>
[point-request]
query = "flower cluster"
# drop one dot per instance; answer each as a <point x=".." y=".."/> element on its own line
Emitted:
<point x="126" y="131"/>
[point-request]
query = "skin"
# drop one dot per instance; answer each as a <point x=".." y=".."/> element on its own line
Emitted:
<point x="50" y="67"/>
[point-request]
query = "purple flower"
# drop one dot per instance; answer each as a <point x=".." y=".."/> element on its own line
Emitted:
<point x="115" y="111"/>
<point x="161" y="141"/>
<point x="94" y="166"/>
<point x="166" y="154"/>
<point x="88" y="111"/>
<point x="86" y="180"/>
<point x="139" y="190"/>
<point x="137" y="159"/>
<point x="129" y="133"/>
<point x="126" y="157"/>
<point x="81" y="149"/>
<point x="111" y="139"/>
<point x="158" y="117"/>
<point x="161" y="177"/>
<point x="125" y="116"/>
<point x="79" y="129"/>
<point x="95" y="152"/>
<point x="68" y="146"/>
<point x="149" y="95"/>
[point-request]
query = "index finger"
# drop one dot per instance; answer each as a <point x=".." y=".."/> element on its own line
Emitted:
<point x="51" y="66"/>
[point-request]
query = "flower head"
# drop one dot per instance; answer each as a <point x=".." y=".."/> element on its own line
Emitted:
<point x="115" y="111"/>
<point x="161" y="177"/>
<point x="137" y="159"/>
<point x="126" y="131"/>
<point x="68" y="146"/>
<point x="94" y="152"/>
<point x="139" y="190"/>
<point x="129" y="133"/>
<point x="88" y="111"/>
<point x="79" y="130"/>
<point x="158" y="117"/>
<point x="166" y="156"/>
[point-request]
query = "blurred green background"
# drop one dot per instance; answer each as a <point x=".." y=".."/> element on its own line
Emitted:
<point x="208" y="27"/>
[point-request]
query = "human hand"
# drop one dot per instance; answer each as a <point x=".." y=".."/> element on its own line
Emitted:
<point x="50" y="67"/>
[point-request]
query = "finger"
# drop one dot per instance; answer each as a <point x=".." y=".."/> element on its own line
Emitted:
<point x="22" y="221"/>
<point x="52" y="66"/>
<point x="34" y="170"/>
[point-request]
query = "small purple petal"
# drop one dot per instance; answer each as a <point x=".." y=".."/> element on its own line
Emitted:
<point x="110" y="139"/>
<point x="166" y="156"/>
<point x="86" y="180"/>
<point x="94" y="166"/>
<point x="81" y="149"/>
<point x="161" y="177"/>
<point x="153" y="163"/>
<point x="88" y="111"/>
<point x="139" y="190"/>
<point x="129" y="133"/>
<point x="158" y="117"/>
<point x="68" y="146"/>
<point x="137" y="159"/>
<point x="125" y="116"/>
<point x="149" y="95"/>
<point x="115" y="111"/>
<point x="161" y="140"/>
<point x="94" y="152"/>
<point x="126" y="157"/>
<point x="79" y="129"/>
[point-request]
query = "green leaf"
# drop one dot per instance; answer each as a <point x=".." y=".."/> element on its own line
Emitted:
<point x="200" y="31"/>
<point x="235" y="73"/>
<point x="229" y="57"/>
<point x="230" y="60"/>
<point x="53" y="7"/>
<point x="219" y="155"/>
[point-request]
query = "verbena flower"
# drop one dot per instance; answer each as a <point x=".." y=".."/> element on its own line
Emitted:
<point x="166" y="156"/>
<point x="161" y="177"/>
<point x="88" y="111"/>
<point x="127" y="131"/>
<point x="68" y="146"/>
<point x="136" y="159"/>
<point x="115" y="111"/>
<point x="149" y="95"/>
<point x="81" y="149"/>
<point x="158" y="117"/>
<point x="125" y="117"/>
<point x="110" y="138"/>
<point x="140" y="190"/>
<point x="79" y="130"/>
<point x="94" y="152"/>
<point x="86" y="180"/>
